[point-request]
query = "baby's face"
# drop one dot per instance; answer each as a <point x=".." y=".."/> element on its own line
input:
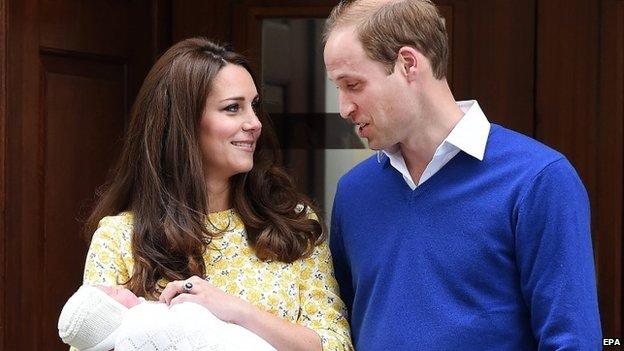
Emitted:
<point x="121" y="295"/>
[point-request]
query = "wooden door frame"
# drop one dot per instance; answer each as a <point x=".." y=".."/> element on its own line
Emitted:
<point x="3" y="109"/>
<point x="21" y="149"/>
<point x="609" y="166"/>
<point x="247" y="24"/>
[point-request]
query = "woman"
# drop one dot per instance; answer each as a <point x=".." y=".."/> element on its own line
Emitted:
<point x="198" y="210"/>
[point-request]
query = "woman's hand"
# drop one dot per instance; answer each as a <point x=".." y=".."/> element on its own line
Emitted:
<point x="280" y="333"/>
<point x="224" y="306"/>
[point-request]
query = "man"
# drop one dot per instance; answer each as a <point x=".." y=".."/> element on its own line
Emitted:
<point x="459" y="234"/>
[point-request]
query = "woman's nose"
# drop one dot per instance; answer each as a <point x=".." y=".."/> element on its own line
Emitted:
<point x="252" y="124"/>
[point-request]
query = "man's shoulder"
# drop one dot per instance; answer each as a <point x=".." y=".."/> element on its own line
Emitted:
<point x="521" y="161"/>
<point x="365" y="170"/>
<point x="518" y="149"/>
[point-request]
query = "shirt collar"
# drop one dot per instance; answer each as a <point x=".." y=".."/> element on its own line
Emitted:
<point x="470" y="134"/>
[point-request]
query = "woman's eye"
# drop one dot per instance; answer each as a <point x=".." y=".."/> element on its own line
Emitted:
<point x="255" y="105"/>
<point x="232" y="108"/>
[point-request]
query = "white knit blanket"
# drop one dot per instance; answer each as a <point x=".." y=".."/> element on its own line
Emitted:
<point x="152" y="326"/>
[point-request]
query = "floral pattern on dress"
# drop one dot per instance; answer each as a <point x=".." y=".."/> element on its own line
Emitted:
<point x="303" y="292"/>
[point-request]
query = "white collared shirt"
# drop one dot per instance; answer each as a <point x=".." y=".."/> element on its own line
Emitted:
<point x="469" y="135"/>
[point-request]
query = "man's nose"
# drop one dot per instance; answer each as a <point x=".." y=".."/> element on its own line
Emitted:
<point x="347" y="107"/>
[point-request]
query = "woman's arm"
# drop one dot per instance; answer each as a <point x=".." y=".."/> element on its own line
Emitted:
<point x="322" y="322"/>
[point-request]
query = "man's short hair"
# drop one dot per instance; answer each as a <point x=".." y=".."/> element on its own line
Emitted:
<point x="384" y="27"/>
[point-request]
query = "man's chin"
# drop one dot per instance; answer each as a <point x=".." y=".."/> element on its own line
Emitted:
<point x="376" y="146"/>
<point x="371" y="144"/>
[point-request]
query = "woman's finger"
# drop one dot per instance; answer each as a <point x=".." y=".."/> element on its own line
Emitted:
<point x="181" y="298"/>
<point x="171" y="290"/>
<point x="195" y="279"/>
<point x="192" y="285"/>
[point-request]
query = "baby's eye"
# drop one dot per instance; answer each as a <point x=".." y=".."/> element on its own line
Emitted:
<point x="232" y="108"/>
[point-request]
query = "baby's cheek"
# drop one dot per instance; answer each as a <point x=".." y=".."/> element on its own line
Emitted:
<point x="128" y="299"/>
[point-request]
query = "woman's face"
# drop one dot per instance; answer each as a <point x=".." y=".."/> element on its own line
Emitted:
<point x="229" y="127"/>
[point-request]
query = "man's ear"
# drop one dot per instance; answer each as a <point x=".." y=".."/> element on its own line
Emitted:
<point x="408" y="61"/>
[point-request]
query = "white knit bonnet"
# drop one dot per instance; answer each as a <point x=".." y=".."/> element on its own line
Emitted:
<point x="90" y="319"/>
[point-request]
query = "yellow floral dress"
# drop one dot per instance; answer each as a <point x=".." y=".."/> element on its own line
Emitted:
<point x="304" y="292"/>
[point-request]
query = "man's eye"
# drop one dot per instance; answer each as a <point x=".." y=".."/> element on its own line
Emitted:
<point x="231" y="108"/>
<point x="352" y="85"/>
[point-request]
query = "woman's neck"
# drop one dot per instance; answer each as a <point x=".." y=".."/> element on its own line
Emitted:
<point x="218" y="195"/>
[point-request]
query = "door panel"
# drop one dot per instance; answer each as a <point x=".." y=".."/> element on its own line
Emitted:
<point x="491" y="57"/>
<point x="98" y="27"/>
<point x="82" y="125"/>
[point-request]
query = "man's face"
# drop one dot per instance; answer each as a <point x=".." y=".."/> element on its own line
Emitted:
<point x="368" y="96"/>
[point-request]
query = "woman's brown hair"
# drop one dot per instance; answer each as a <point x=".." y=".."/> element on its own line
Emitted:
<point x="160" y="177"/>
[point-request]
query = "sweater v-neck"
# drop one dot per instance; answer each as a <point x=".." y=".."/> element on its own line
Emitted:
<point x="432" y="182"/>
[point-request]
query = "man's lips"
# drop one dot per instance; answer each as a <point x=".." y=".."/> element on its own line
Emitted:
<point x="360" y="128"/>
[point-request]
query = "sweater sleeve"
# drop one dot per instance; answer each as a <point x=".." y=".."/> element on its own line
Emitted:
<point x="322" y="310"/>
<point x="555" y="260"/>
<point x="341" y="265"/>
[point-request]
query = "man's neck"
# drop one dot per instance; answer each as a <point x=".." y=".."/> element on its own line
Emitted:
<point x="439" y="117"/>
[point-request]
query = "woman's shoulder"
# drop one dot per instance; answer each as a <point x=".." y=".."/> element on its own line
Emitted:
<point x="121" y="222"/>
<point x="113" y="233"/>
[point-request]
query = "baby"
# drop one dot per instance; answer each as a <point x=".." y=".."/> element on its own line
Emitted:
<point x="105" y="318"/>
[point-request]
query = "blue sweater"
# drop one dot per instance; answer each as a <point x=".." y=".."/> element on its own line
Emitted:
<point x="485" y="255"/>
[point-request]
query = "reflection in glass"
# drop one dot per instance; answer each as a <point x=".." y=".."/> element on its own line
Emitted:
<point x="318" y="145"/>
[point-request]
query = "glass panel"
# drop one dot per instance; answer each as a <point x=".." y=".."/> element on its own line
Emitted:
<point x="318" y="145"/>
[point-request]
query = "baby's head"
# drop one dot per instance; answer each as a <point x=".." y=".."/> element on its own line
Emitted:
<point x="120" y="294"/>
<point x="90" y="318"/>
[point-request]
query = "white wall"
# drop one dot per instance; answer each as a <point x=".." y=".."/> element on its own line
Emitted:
<point x="337" y="161"/>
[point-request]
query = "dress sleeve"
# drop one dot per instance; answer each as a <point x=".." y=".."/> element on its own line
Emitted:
<point x="555" y="260"/>
<point x="322" y="310"/>
<point x="104" y="264"/>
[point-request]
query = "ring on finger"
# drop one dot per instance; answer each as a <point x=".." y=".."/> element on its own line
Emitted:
<point x="187" y="286"/>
